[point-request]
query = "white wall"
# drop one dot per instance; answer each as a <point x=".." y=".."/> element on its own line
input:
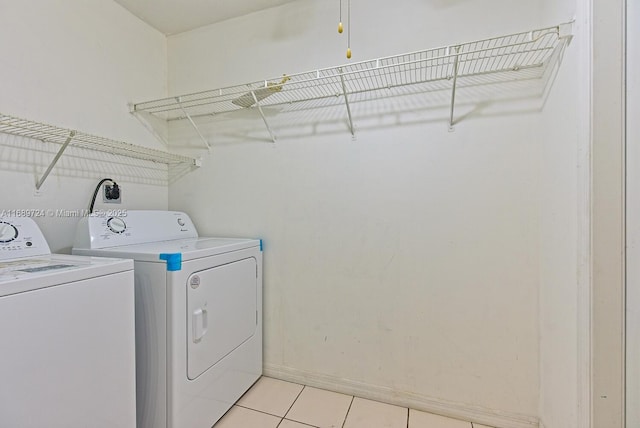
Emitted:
<point x="562" y="173"/>
<point x="608" y="213"/>
<point x="77" y="64"/>
<point x="403" y="265"/>
<point x="633" y="216"/>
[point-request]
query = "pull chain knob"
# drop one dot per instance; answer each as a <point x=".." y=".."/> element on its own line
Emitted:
<point x="340" y="27"/>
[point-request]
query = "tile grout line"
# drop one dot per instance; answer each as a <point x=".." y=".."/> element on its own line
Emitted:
<point x="294" y="401"/>
<point x="259" y="411"/>
<point x="283" y="418"/>
<point x="271" y="414"/>
<point x="348" y="410"/>
<point x="297" y="422"/>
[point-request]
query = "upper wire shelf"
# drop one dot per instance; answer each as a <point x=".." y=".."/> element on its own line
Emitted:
<point x="67" y="137"/>
<point x="530" y="51"/>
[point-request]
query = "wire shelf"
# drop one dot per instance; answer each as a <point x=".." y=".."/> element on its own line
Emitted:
<point x="67" y="137"/>
<point x="527" y="53"/>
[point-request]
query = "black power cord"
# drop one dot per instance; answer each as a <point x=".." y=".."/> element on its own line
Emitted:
<point x="115" y="192"/>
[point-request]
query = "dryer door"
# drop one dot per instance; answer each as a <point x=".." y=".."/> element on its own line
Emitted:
<point x="222" y="313"/>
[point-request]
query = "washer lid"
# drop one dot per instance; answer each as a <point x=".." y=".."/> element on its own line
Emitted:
<point x="31" y="273"/>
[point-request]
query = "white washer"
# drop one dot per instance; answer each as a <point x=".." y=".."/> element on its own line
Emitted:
<point x="198" y="313"/>
<point x="67" y="344"/>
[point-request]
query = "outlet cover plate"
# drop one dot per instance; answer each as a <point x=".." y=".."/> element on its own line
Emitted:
<point x="105" y="189"/>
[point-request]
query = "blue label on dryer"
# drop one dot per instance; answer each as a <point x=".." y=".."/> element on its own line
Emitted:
<point x="174" y="261"/>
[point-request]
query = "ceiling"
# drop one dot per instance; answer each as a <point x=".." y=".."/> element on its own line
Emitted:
<point x="177" y="16"/>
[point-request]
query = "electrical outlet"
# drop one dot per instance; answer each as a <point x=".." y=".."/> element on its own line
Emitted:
<point x="112" y="194"/>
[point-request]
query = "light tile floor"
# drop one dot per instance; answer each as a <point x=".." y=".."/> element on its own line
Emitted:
<point x="273" y="403"/>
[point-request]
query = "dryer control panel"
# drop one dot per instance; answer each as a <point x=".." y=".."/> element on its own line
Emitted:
<point x="21" y="237"/>
<point x="133" y="227"/>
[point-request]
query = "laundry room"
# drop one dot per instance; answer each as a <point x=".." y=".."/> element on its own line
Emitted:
<point x="410" y="206"/>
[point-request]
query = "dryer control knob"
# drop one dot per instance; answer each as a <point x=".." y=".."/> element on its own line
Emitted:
<point x="181" y="222"/>
<point x="8" y="232"/>
<point x="116" y="225"/>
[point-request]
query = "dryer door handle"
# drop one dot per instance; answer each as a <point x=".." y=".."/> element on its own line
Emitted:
<point x="200" y="321"/>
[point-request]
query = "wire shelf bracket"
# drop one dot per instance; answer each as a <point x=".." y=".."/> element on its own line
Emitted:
<point x="55" y="160"/>
<point x="72" y="138"/>
<point x="346" y="101"/>
<point x="193" y="124"/>
<point x="147" y="119"/>
<point x="526" y="56"/>
<point x="264" y="119"/>
<point x="453" y="87"/>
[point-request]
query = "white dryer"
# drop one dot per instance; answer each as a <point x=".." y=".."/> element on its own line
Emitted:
<point x="67" y="345"/>
<point x="198" y="313"/>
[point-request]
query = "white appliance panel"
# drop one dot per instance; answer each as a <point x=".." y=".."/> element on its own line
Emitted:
<point x="66" y="360"/>
<point x="191" y="248"/>
<point x="33" y="273"/>
<point x="222" y="312"/>
<point x="179" y="385"/>
<point x="151" y="344"/>
<point x="21" y="237"/>
<point x="67" y="344"/>
<point x="133" y="227"/>
<point x="202" y="401"/>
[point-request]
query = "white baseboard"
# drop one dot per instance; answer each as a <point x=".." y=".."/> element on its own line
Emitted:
<point x="490" y="417"/>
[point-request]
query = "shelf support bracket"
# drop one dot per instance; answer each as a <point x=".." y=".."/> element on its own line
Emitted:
<point x="346" y="101"/>
<point x="264" y="118"/>
<point x="55" y="160"/>
<point x="453" y="88"/>
<point x="146" y="120"/>
<point x="193" y="124"/>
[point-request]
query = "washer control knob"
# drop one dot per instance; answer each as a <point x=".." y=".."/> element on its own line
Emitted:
<point x="8" y="232"/>
<point x="116" y="225"/>
<point x="181" y="222"/>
